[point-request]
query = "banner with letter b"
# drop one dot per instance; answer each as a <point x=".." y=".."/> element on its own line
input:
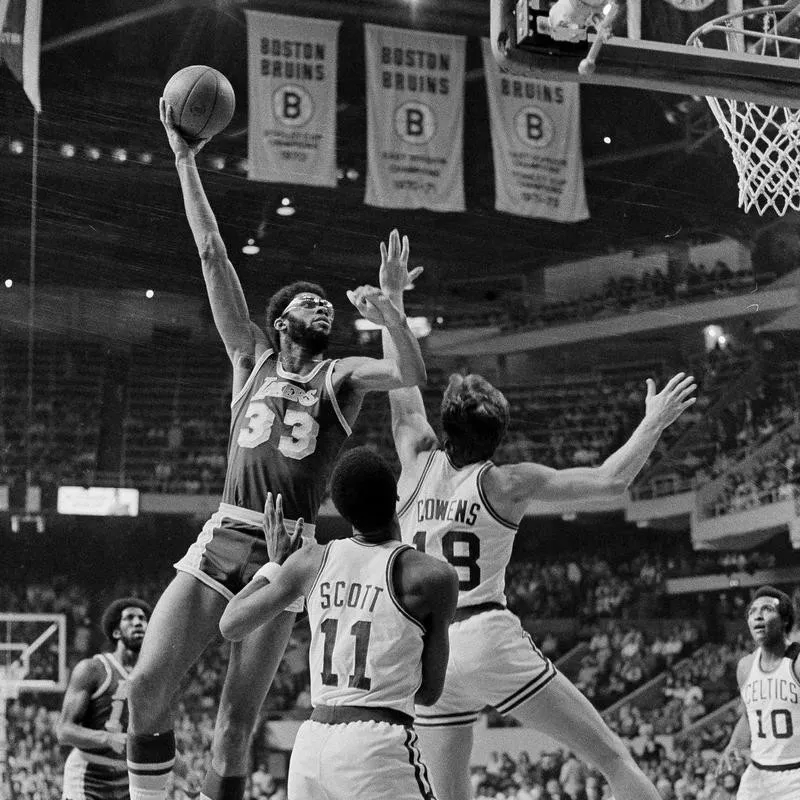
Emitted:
<point x="415" y="119"/>
<point x="536" y="143"/>
<point x="292" y="74"/>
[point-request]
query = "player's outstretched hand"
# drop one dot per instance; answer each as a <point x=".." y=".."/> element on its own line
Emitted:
<point x="666" y="406"/>
<point x="375" y="306"/>
<point x="280" y="545"/>
<point x="394" y="276"/>
<point x="178" y="144"/>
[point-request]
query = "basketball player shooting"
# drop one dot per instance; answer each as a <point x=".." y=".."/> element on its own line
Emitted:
<point x="458" y="506"/>
<point x="769" y="685"/>
<point x="379" y="613"/>
<point x="94" y="714"/>
<point x="292" y="409"/>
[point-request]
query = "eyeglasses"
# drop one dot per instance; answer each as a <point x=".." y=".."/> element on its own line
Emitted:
<point x="310" y="301"/>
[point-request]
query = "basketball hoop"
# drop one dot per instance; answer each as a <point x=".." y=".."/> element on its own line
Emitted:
<point x="764" y="139"/>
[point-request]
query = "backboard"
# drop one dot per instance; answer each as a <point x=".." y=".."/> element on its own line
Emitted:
<point x="33" y="653"/>
<point x="522" y="45"/>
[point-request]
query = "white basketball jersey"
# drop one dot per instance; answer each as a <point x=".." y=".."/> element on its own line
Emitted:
<point x="448" y="516"/>
<point x="772" y="700"/>
<point x="366" y="650"/>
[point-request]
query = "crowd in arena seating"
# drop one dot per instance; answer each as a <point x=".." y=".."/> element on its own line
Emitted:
<point x="626" y="294"/>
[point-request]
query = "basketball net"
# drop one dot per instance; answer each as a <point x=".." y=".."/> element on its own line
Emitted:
<point x="764" y="140"/>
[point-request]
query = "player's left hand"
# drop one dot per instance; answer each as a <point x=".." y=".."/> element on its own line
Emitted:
<point x="666" y="406"/>
<point x="394" y="277"/>
<point x="280" y="544"/>
<point x="375" y="306"/>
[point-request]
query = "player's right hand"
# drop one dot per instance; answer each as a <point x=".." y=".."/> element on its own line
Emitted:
<point x="394" y="276"/>
<point x="178" y="144"/>
<point x="280" y="545"/>
<point x="118" y="742"/>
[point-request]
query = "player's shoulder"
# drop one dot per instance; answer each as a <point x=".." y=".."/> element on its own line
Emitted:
<point x="426" y="570"/>
<point x="744" y="666"/>
<point x="90" y="671"/>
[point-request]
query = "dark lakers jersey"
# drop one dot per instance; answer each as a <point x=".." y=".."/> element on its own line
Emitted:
<point x="286" y="431"/>
<point x="108" y="709"/>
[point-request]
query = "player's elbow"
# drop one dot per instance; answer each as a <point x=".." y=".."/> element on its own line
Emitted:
<point x="62" y="735"/>
<point x="212" y="250"/>
<point x="428" y="695"/>
<point x="232" y="627"/>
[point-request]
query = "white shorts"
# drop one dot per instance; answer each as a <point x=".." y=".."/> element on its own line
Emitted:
<point x="373" y="760"/>
<point x="493" y="662"/>
<point x="762" y="784"/>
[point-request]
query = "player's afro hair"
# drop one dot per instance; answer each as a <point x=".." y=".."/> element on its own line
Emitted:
<point x="364" y="490"/>
<point x="281" y="299"/>
<point x="113" y="614"/>
<point x="785" y="607"/>
<point x="475" y="416"/>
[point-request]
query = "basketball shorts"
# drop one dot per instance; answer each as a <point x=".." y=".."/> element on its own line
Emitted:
<point x="86" y="780"/>
<point x="762" y="784"/>
<point x="493" y="662"/>
<point x="230" y="549"/>
<point x="374" y="760"/>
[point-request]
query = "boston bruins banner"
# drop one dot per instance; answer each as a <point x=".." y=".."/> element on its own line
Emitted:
<point x="536" y="142"/>
<point x="415" y="119"/>
<point x="292" y="126"/>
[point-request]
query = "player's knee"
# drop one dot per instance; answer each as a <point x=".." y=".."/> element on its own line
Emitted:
<point x="146" y="693"/>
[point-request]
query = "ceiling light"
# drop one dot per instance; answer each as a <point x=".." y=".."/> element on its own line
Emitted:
<point x="92" y="153"/>
<point x="145" y="158"/>
<point x="119" y="154"/>
<point x="285" y="209"/>
<point x="251" y="248"/>
<point x="607" y="139"/>
<point x="16" y="147"/>
<point x="67" y="150"/>
<point x="218" y="162"/>
<point x="352" y="174"/>
<point x="9" y="283"/>
<point x="149" y="294"/>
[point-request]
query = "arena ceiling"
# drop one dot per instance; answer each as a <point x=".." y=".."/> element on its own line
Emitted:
<point x="105" y="222"/>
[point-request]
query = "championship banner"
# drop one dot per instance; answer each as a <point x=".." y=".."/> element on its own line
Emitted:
<point x="536" y="142"/>
<point x="20" y="43"/>
<point x="415" y="119"/>
<point x="292" y="74"/>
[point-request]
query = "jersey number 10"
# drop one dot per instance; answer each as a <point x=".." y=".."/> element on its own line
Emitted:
<point x="780" y="730"/>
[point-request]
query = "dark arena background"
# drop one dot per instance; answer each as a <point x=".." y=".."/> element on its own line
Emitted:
<point x="113" y="377"/>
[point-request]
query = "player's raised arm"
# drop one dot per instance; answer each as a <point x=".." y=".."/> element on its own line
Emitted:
<point x="523" y="483"/>
<point x="87" y="676"/>
<point x="411" y="430"/>
<point x="243" y="339"/>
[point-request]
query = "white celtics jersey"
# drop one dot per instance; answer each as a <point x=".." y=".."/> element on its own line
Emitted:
<point x="365" y="649"/>
<point x="772" y="700"/>
<point x="447" y="516"/>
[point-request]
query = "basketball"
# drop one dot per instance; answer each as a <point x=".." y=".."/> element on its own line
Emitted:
<point x="202" y="101"/>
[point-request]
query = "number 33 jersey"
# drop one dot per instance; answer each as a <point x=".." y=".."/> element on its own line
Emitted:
<point x="448" y="516"/>
<point x="286" y="431"/>
<point x="772" y="700"/>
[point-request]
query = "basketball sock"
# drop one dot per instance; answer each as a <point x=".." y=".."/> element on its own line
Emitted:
<point x="151" y="757"/>
<point x="222" y="787"/>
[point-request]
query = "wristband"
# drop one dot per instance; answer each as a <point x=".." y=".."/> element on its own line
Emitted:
<point x="270" y="571"/>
